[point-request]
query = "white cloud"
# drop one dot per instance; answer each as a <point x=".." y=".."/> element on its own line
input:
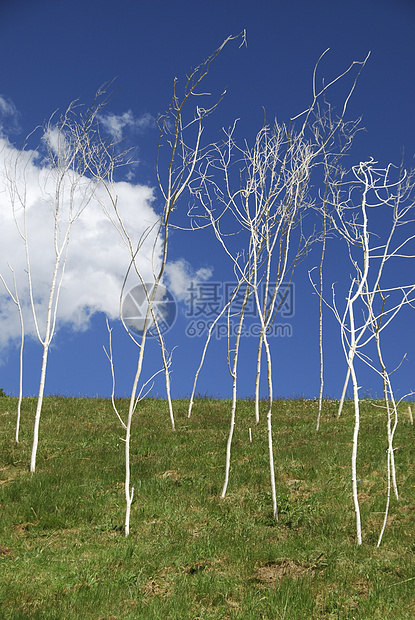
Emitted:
<point x="97" y="256"/>
<point x="9" y="116"/>
<point x="55" y="140"/>
<point x="180" y="274"/>
<point x="116" y="123"/>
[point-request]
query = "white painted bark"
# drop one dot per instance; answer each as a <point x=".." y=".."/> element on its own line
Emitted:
<point x="129" y="491"/>
<point x="258" y="377"/>
<point x="343" y="396"/>
<point x="354" y="449"/>
<point x="320" y="322"/>
<point x="47" y="339"/>
<point x="234" y="374"/>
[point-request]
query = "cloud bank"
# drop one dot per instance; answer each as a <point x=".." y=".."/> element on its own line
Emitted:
<point x="97" y="258"/>
<point x="179" y="274"/>
<point x="97" y="255"/>
<point x="9" y="116"/>
<point x="116" y="123"/>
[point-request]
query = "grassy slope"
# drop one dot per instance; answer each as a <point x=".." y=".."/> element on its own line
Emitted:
<point x="190" y="554"/>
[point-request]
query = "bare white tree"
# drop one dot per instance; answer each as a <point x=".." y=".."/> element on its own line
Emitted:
<point x="179" y="154"/>
<point x="365" y="315"/>
<point x="264" y="191"/>
<point x="332" y="154"/>
<point x="66" y="145"/>
<point x="233" y="357"/>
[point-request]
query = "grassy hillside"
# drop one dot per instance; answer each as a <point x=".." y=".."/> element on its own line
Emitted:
<point x="63" y="553"/>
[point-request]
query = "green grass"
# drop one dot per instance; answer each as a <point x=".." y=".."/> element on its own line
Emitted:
<point x="63" y="553"/>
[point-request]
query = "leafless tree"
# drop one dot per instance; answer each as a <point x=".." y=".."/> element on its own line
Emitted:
<point x="256" y="199"/>
<point x="179" y="154"/>
<point x="67" y="144"/>
<point x="371" y="195"/>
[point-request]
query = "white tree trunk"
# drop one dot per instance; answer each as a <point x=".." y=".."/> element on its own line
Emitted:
<point x="354" y="451"/>
<point x="257" y="378"/>
<point x="343" y="396"/>
<point x="269" y="429"/>
<point x="39" y="407"/>
<point x="234" y="373"/>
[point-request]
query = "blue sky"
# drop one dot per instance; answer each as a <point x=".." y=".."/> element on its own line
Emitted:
<point x="54" y="52"/>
